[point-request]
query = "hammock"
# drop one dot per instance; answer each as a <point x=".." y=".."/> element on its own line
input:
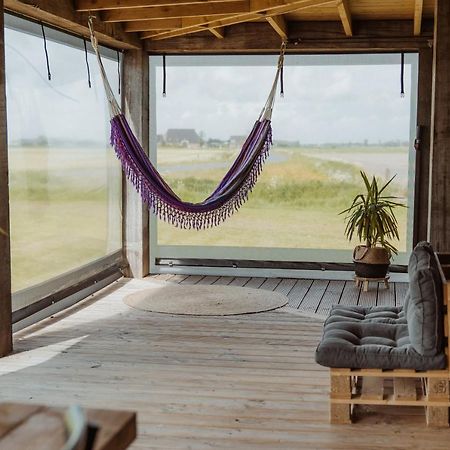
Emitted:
<point x="228" y="196"/>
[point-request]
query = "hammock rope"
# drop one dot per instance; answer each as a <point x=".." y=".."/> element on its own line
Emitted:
<point x="231" y="192"/>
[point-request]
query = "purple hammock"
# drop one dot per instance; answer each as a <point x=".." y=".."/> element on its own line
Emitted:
<point x="228" y="196"/>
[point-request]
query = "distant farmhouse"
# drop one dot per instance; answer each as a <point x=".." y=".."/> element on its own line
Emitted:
<point x="183" y="137"/>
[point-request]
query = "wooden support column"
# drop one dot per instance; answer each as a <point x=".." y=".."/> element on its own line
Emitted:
<point x="340" y="389"/>
<point x="135" y="212"/>
<point x="422" y="176"/>
<point x="5" y="256"/>
<point x="439" y="214"/>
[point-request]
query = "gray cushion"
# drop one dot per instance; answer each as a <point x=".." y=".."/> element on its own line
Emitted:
<point x="424" y="311"/>
<point x="372" y="346"/>
<point x="362" y="314"/>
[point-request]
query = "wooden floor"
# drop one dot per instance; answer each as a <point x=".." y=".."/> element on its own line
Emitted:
<point x="241" y="382"/>
<point x="312" y="296"/>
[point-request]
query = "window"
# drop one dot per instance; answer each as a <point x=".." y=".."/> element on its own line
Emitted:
<point x="65" y="183"/>
<point x="340" y="114"/>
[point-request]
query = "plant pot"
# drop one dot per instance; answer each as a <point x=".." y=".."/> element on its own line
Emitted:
<point x="370" y="262"/>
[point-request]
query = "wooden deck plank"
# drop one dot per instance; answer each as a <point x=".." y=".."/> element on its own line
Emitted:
<point x="286" y="285"/>
<point x="400" y="293"/>
<point x="247" y="382"/>
<point x="331" y="297"/>
<point x="313" y="297"/>
<point x="350" y="294"/>
<point x="270" y="284"/>
<point x="255" y="282"/>
<point x="386" y="296"/>
<point x="369" y="298"/>
<point x="240" y="281"/>
<point x="298" y="292"/>
<point x="208" y="280"/>
<point x="224" y="281"/>
<point x="192" y="279"/>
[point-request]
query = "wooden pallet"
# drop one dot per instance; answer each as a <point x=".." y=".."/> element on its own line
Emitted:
<point x="398" y="387"/>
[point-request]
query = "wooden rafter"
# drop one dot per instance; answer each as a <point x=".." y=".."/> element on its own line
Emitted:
<point x="260" y="9"/>
<point x="61" y="14"/>
<point x="219" y="33"/>
<point x="167" y="12"/>
<point x="279" y="25"/>
<point x="346" y="16"/>
<point x="100" y="5"/>
<point x="418" y="10"/>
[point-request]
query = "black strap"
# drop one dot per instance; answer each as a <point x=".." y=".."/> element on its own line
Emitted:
<point x="164" y="76"/>
<point x="118" y="69"/>
<point x="282" y="81"/>
<point x="87" y="63"/>
<point x="49" y="74"/>
<point x="402" y="75"/>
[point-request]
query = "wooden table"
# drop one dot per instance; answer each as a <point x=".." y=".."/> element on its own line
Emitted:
<point x="35" y="427"/>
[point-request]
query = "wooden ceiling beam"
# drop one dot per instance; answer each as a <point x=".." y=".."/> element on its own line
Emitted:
<point x="61" y="14"/>
<point x="418" y="12"/>
<point x="279" y="25"/>
<point x="219" y="33"/>
<point x="313" y="37"/>
<point x="169" y="12"/>
<point x="260" y="9"/>
<point x="101" y="5"/>
<point x="346" y="16"/>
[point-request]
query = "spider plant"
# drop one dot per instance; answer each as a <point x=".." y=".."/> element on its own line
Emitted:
<point x="371" y="216"/>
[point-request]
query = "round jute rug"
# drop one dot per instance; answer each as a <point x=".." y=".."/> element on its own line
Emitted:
<point x="204" y="300"/>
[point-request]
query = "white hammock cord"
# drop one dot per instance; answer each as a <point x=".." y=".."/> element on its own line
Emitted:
<point x="114" y="108"/>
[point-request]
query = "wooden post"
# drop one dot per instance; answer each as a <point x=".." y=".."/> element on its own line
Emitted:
<point x="439" y="217"/>
<point x="340" y="388"/>
<point x="5" y="256"/>
<point x="136" y="108"/>
<point x="437" y="390"/>
<point x="422" y="179"/>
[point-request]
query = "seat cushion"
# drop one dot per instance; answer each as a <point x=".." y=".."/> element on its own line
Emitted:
<point x="425" y="306"/>
<point x="362" y="314"/>
<point x="370" y="345"/>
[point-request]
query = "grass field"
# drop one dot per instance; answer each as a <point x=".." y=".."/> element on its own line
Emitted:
<point x="295" y="204"/>
<point x="63" y="215"/>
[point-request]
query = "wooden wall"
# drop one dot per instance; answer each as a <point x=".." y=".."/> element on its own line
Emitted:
<point x="136" y="108"/>
<point x="439" y="200"/>
<point x="5" y="257"/>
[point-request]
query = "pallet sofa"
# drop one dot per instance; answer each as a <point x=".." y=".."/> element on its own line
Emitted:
<point x="393" y="355"/>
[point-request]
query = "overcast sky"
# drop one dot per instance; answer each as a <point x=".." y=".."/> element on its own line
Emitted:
<point x="333" y="103"/>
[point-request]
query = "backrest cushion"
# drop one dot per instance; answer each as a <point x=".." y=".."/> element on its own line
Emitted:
<point x="424" y="312"/>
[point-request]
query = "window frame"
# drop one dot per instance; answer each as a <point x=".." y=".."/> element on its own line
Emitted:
<point x="43" y="299"/>
<point x="246" y="261"/>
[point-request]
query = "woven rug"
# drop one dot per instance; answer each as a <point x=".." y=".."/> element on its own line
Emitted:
<point x="204" y="300"/>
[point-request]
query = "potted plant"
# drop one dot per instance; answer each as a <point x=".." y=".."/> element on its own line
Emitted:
<point x="372" y="219"/>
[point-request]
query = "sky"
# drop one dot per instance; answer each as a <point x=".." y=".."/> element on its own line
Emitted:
<point x="322" y="103"/>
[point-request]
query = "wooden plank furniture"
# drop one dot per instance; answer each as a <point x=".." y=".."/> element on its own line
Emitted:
<point x="430" y="389"/>
<point x="37" y="427"/>
<point x="364" y="282"/>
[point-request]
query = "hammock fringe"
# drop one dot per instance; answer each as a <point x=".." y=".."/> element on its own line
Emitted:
<point x="172" y="214"/>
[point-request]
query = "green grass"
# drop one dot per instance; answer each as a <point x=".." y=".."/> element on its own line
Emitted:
<point x="60" y="218"/>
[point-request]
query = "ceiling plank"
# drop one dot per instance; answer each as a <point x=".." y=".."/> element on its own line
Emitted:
<point x="168" y="12"/>
<point x="101" y="5"/>
<point x="279" y="25"/>
<point x="61" y="14"/>
<point x="262" y="8"/>
<point x="153" y="25"/>
<point x="346" y="16"/>
<point x="166" y="24"/>
<point x="219" y="33"/>
<point x="418" y="11"/>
